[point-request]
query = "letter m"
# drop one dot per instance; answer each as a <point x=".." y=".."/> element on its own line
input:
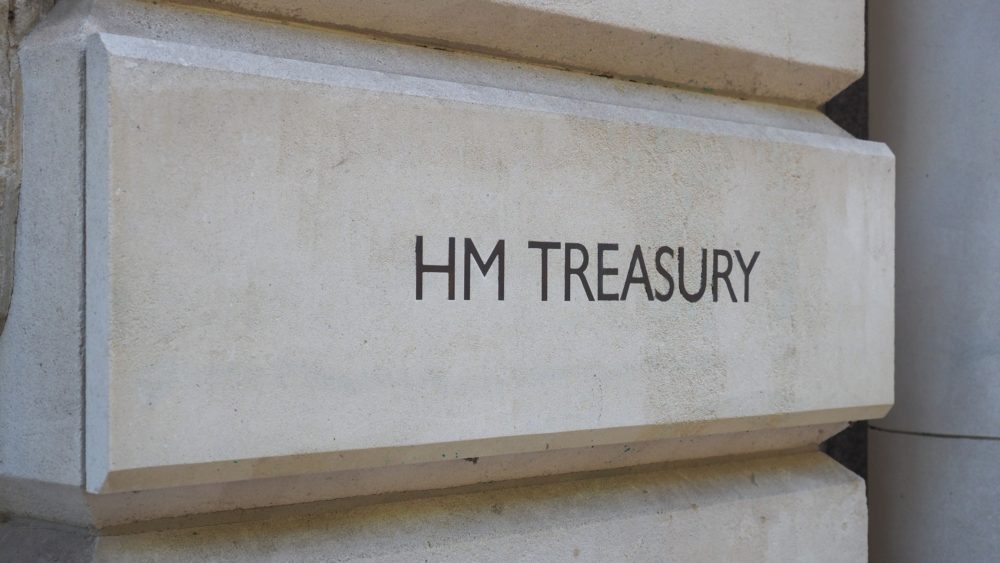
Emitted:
<point x="496" y="256"/>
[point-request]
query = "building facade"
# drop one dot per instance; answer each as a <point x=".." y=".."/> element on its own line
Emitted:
<point x="473" y="280"/>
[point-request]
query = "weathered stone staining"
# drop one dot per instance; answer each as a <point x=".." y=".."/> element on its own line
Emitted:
<point x="659" y="286"/>
<point x="319" y="265"/>
<point x="728" y="247"/>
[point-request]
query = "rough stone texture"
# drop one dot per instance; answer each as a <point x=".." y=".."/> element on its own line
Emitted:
<point x="43" y="542"/>
<point x="17" y="19"/>
<point x="9" y="168"/>
<point x="800" y="50"/>
<point x="41" y="364"/>
<point x="780" y="508"/>
<point x="220" y="314"/>
<point x="795" y="508"/>
<point x="46" y="500"/>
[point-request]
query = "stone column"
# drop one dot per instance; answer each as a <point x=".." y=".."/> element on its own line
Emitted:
<point x="934" y="462"/>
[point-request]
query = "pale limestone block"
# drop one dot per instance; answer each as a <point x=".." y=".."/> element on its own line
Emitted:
<point x="41" y="373"/>
<point x="325" y="491"/>
<point x="219" y="29"/>
<point x="792" y="508"/>
<point x="251" y="308"/>
<point x="803" y="51"/>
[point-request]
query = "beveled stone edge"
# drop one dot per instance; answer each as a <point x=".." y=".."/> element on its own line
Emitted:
<point x="128" y="479"/>
<point x="794" y="82"/>
<point x="103" y="477"/>
<point x="258" y="498"/>
<point x="241" y="62"/>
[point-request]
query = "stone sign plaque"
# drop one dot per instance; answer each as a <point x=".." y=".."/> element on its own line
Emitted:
<point x="298" y="267"/>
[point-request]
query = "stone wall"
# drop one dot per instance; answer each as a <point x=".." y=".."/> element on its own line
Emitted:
<point x="21" y="17"/>
<point x="341" y="279"/>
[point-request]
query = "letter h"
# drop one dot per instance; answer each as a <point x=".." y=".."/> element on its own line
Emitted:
<point x="431" y="268"/>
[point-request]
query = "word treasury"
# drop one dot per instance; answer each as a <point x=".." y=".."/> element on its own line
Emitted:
<point x="660" y="275"/>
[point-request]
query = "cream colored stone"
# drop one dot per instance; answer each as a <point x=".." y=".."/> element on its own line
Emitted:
<point x="40" y="434"/>
<point x="323" y="490"/>
<point x="40" y="357"/>
<point x="220" y="30"/>
<point x="794" y="508"/>
<point x="225" y="502"/>
<point x="800" y="50"/>
<point x="251" y="227"/>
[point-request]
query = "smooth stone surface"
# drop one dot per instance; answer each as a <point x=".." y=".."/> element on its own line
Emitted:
<point x="41" y="347"/>
<point x="772" y="509"/>
<point x="250" y="282"/>
<point x="322" y="490"/>
<point x="40" y="357"/>
<point x="934" y="465"/>
<point x="229" y="502"/>
<point x="220" y="30"/>
<point x="800" y="50"/>
<point x="933" y="498"/>
<point x="928" y="102"/>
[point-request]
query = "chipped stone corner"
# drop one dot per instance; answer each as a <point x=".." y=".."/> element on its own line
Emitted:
<point x="20" y="17"/>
